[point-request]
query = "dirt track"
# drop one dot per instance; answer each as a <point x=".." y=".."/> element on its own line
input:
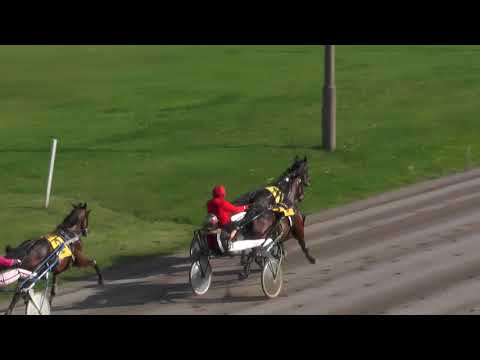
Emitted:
<point x="415" y="251"/>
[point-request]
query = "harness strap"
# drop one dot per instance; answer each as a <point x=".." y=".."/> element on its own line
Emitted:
<point x="57" y="239"/>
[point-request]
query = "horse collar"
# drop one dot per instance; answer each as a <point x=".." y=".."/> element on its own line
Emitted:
<point x="67" y="234"/>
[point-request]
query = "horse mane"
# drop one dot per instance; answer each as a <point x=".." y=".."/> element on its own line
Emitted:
<point x="69" y="221"/>
<point x="72" y="218"/>
<point x="292" y="171"/>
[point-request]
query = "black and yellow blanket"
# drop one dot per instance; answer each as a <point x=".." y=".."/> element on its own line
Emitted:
<point x="279" y="196"/>
<point x="56" y="241"/>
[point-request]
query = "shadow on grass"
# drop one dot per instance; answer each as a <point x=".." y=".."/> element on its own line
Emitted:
<point x="72" y="149"/>
<point x="39" y="207"/>
<point x="253" y="146"/>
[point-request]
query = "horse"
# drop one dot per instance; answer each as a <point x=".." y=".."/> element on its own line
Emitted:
<point x="299" y="169"/>
<point x="291" y="183"/>
<point x="32" y="252"/>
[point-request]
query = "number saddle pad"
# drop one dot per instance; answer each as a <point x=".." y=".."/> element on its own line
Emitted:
<point x="56" y="241"/>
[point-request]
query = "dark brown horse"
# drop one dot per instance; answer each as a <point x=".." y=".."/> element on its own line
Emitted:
<point x="299" y="169"/>
<point x="32" y="252"/>
<point x="291" y="183"/>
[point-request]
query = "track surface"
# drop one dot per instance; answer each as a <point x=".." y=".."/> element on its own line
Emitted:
<point x="415" y="251"/>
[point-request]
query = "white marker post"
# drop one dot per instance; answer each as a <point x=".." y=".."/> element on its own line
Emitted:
<point x="50" y="172"/>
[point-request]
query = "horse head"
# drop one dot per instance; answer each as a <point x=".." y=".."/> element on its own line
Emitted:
<point x="298" y="190"/>
<point x="77" y="220"/>
<point x="300" y="169"/>
<point x="295" y="178"/>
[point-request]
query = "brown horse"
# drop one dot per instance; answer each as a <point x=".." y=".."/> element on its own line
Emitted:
<point x="299" y="169"/>
<point x="291" y="183"/>
<point x="32" y="252"/>
<point x="274" y="225"/>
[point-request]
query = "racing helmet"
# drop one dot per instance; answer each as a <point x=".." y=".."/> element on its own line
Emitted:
<point x="211" y="221"/>
<point x="219" y="191"/>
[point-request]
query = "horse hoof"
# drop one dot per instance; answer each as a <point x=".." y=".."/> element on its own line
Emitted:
<point x="312" y="260"/>
<point x="242" y="276"/>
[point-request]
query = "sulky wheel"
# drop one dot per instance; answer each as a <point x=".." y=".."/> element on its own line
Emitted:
<point x="272" y="274"/>
<point x="272" y="277"/>
<point x="38" y="304"/>
<point x="195" y="246"/>
<point x="200" y="275"/>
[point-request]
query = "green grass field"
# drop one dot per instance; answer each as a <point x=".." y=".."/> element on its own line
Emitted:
<point x="146" y="131"/>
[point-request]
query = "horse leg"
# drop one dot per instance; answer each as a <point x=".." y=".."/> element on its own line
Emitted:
<point x="299" y="234"/>
<point x="259" y="260"/>
<point x="14" y="301"/>
<point x="243" y="258"/>
<point x="82" y="261"/>
<point x="284" y="249"/>
<point x="246" y="269"/>
<point x="53" y="292"/>
<point x="61" y="267"/>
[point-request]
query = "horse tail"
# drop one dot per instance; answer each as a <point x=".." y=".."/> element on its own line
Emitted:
<point x="22" y="250"/>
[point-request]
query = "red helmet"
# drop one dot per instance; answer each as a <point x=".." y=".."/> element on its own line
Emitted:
<point x="219" y="191"/>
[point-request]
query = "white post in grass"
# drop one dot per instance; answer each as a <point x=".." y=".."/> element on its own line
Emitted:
<point x="50" y="172"/>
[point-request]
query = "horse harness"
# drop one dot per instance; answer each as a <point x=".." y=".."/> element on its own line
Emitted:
<point x="281" y="207"/>
<point x="58" y="238"/>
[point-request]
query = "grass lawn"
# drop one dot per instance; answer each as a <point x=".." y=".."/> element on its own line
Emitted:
<point x="146" y="131"/>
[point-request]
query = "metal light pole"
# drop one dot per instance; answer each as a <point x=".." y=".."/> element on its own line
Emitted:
<point x="329" y="101"/>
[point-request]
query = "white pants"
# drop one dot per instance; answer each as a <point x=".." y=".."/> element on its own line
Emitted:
<point x="10" y="276"/>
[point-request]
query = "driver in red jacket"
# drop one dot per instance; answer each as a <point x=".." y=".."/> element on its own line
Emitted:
<point x="221" y="207"/>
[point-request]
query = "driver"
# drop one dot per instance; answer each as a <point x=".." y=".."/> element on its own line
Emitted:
<point x="10" y="276"/>
<point x="223" y="209"/>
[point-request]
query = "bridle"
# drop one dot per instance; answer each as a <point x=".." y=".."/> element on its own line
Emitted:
<point x="81" y="223"/>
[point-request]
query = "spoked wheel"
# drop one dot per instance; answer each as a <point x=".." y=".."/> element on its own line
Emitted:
<point x="38" y="303"/>
<point x="272" y="278"/>
<point x="272" y="274"/>
<point x="195" y="246"/>
<point x="201" y="275"/>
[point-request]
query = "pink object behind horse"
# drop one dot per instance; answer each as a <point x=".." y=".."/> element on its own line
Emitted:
<point x="6" y="262"/>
